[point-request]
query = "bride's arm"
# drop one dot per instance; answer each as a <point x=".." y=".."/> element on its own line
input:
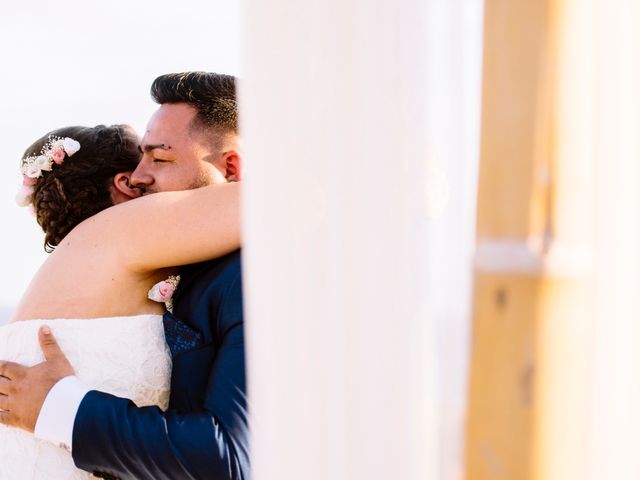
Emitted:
<point x="167" y="229"/>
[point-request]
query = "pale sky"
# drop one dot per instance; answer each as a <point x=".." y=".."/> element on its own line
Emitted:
<point x="74" y="62"/>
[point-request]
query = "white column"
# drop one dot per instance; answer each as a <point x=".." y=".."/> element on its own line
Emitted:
<point x="341" y="364"/>
<point x="454" y="56"/>
<point x="615" y="430"/>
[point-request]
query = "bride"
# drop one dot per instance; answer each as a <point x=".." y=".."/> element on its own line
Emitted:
<point x="93" y="290"/>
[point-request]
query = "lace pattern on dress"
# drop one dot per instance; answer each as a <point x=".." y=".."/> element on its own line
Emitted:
<point x="124" y="356"/>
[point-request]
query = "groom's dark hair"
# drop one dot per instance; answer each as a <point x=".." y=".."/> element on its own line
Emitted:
<point x="213" y="95"/>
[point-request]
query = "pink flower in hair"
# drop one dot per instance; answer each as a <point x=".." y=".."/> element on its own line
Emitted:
<point x="31" y="167"/>
<point x="57" y="155"/>
<point x="28" y="181"/>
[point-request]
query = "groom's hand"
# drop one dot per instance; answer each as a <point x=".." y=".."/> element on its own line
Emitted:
<point x="23" y="390"/>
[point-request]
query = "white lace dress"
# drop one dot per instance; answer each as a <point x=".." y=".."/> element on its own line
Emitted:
<point x="125" y="356"/>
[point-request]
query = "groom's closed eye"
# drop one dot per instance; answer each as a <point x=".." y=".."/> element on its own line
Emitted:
<point x="151" y="147"/>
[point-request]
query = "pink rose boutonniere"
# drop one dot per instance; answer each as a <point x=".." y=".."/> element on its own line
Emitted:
<point x="162" y="292"/>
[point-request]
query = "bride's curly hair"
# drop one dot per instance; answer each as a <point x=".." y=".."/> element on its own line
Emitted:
<point x="80" y="187"/>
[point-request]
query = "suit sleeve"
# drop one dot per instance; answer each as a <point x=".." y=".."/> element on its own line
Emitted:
<point x="112" y="436"/>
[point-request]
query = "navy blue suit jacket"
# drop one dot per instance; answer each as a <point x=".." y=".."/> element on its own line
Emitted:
<point x="204" y="433"/>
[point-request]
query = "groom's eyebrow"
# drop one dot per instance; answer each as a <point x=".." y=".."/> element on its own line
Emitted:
<point x="150" y="147"/>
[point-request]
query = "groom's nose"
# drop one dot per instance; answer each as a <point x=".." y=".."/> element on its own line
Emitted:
<point x="141" y="177"/>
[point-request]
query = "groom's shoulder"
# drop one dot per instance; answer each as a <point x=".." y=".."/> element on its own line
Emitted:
<point x="210" y="290"/>
<point x="229" y="264"/>
<point x="227" y="269"/>
<point x="213" y="276"/>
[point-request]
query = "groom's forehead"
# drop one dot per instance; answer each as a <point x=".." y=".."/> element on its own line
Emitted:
<point x="168" y="125"/>
<point x="172" y="117"/>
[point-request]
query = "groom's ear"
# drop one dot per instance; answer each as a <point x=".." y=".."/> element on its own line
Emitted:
<point x="233" y="165"/>
<point x="121" y="189"/>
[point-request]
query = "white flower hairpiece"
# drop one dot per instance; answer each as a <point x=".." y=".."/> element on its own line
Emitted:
<point x="31" y="167"/>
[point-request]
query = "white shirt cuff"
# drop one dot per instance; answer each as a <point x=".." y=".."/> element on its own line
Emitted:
<point x="58" y="412"/>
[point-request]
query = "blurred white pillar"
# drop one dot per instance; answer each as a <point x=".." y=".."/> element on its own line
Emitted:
<point x="454" y="56"/>
<point x="341" y="367"/>
<point x="615" y="432"/>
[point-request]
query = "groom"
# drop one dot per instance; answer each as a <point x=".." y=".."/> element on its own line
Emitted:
<point x="191" y="141"/>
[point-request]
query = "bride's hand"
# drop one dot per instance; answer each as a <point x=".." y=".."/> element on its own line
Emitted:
<point x="23" y="390"/>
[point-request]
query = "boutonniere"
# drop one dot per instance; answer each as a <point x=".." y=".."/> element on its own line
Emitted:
<point x="162" y="292"/>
